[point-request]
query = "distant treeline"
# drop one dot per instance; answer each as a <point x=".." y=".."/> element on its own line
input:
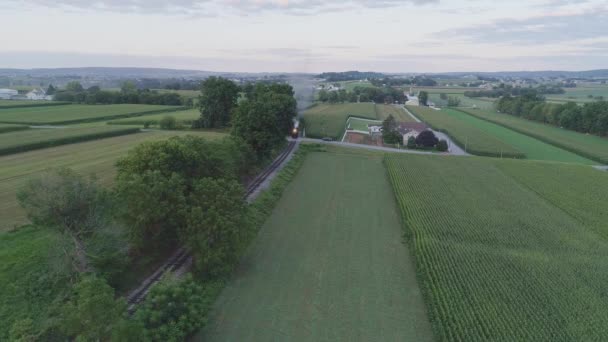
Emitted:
<point x="504" y="90"/>
<point x="74" y="92"/>
<point x="349" y="76"/>
<point x="420" y="81"/>
<point x="590" y="118"/>
<point x="363" y="94"/>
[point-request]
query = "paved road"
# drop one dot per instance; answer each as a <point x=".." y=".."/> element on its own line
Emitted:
<point x="368" y="147"/>
<point x="452" y="147"/>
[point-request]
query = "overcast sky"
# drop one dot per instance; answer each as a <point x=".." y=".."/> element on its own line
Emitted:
<point x="306" y="35"/>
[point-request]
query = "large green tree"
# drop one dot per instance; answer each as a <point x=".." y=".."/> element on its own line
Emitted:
<point x="423" y="98"/>
<point x="217" y="100"/>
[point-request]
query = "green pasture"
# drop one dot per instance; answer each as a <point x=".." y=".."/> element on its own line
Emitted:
<point x="328" y="120"/>
<point x="360" y="124"/>
<point x="184" y="117"/>
<point x="328" y="265"/>
<point x="473" y="139"/>
<point x="580" y="94"/>
<point x="59" y="115"/>
<point x="4" y="128"/>
<point x="400" y="115"/>
<point x="507" y="250"/>
<point x="29" y="103"/>
<point x="589" y="146"/>
<point x="531" y="147"/>
<point x="93" y="157"/>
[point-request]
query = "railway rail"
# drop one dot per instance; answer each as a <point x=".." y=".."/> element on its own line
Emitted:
<point x="181" y="259"/>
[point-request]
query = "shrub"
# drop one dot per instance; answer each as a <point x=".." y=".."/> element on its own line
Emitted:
<point x="411" y="142"/>
<point x="442" y="146"/>
<point x="426" y="139"/>
<point x="176" y="308"/>
<point x="168" y="122"/>
<point x="147" y="124"/>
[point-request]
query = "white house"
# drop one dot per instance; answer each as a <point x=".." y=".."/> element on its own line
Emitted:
<point x="38" y="94"/>
<point x="6" y="94"/>
<point x="412" y="101"/>
<point x="374" y="130"/>
<point x="410" y="129"/>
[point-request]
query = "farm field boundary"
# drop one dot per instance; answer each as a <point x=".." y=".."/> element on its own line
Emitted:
<point x="588" y="146"/>
<point x="185" y="117"/>
<point x="7" y="104"/>
<point x="5" y="128"/>
<point x="17" y="142"/>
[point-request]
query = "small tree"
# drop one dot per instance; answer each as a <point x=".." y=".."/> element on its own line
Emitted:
<point x="442" y="146"/>
<point x="423" y="98"/>
<point x="443" y="96"/>
<point x="389" y="131"/>
<point x="453" y="101"/>
<point x="65" y="201"/>
<point x="411" y="142"/>
<point x="426" y="139"/>
<point x="168" y="122"/>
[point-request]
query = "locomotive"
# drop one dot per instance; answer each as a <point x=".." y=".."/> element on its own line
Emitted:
<point x="295" y="132"/>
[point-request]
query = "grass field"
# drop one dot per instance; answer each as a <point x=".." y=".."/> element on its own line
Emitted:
<point x="479" y="102"/>
<point x="531" y="147"/>
<point x="507" y="259"/>
<point x="185" y="117"/>
<point x="59" y="115"/>
<point x="588" y="146"/>
<point x="22" y="141"/>
<point x="325" y="120"/>
<point x="383" y="111"/>
<point x="360" y="124"/>
<point x="329" y="264"/>
<point x="475" y="140"/>
<point x="26" y="103"/>
<point x="580" y="94"/>
<point x="4" y="128"/>
<point x="93" y="157"/>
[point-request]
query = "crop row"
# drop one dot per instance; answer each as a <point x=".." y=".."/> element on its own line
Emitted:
<point x="4" y="128"/>
<point x="588" y="146"/>
<point x="185" y="117"/>
<point x="22" y="141"/>
<point x="6" y="104"/>
<point x="466" y="136"/>
<point x="496" y="261"/>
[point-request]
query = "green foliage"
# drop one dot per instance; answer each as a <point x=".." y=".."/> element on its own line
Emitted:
<point x="168" y="122"/>
<point x="423" y="98"/>
<point x="329" y="120"/>
<point x="426" y="139"/>
<point x="7" y="104"/>
<point x="4" y="128"/>
<point x="442" y="146"/>
<point x="390" y="135"/>
<point x="176" y="308"/>
<point x="215" y="223"/>
<point x="527" y="247"/>
<point x="23" y="331"/>
<point x="74" y="86"/>
<point x="183" y="117"/>
<point x="411" y="142"/>
<point x="217" y="101"/>
<point x="91" y="314"/>
<point x="22" y="141"/>
<point x="453" y="101"/>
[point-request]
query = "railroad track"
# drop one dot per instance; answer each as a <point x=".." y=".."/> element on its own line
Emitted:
<point x="181" y="257"/>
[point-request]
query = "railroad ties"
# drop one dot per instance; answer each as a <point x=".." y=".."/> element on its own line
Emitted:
<point x="180" y="261"/>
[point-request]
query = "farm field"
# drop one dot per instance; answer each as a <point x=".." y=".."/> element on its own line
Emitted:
<point x="580" y="94"/>
<point x="482" y="103"/>
<point x="185" y="117"/>
<point x="26" y="103"/>
<point x="328" y="120"/>
<point x="16" y="142"/>
<point x="588" y="146"/>
<point x="383" y="111"/>
<point x="59" y="115"/>
<point x="508" y="258"/>
<point x="464" y="134"/>
<point x="11" y="128"/>
<point x="96" y="157"/>
<point x="342" y="274"/>
<point x="531" y="147"/>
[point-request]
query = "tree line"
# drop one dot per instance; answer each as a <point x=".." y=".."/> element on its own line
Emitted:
<point x="504" y="90"/>
<point x="75" y="92"/>
<point x="184" y="191"/>
<point x="419" y="81"/>
<point x="589" y="118"/>
<point x="363" y="94"/>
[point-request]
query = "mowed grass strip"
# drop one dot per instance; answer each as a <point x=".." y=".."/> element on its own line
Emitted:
<point x="328" y="265"/>
<point x="22" y="141"/>
<point x="93" y="157"/>
<point x="59" y="115"/>
<point x="531" y="147"/>
<point x="383" y="111"/>
<point x="496" y="261"/>
<point x="185" y="117"/>
<point x="4" y="128"/>
<point x="329" y="120"/>
<point x="468" y="137"/>
<point x="589" y="146"/>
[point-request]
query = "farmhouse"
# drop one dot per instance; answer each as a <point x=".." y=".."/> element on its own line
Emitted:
<point x="7" y="94"/>
<point x="410" y="129"/>
<point x="374" y="130"/>
<point x="38" y="94"/>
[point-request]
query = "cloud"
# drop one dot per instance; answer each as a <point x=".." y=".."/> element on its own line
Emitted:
<point x="215" y="7"/>
<point x="540" y="30"/>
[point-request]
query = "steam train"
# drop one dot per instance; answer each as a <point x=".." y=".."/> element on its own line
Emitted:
<point x="295" y="131"/>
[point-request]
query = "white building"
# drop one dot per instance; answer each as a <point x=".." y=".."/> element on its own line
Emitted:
<point x="38" y="94"/>
<point x="6" y="94"/>
<point x="412" y="101"/>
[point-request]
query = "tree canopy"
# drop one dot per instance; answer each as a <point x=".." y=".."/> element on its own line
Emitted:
<point x="217" y="101"/>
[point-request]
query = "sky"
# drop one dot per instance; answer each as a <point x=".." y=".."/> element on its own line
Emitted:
<point x="309" y="36"/>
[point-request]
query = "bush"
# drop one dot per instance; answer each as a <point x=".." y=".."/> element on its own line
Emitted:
<point x="176" y="308"/>
<point x="426" y="139"/>
<point x="442" y="146"/>
<point x="411" y="142"/>
<point x="168" y="122"/>
<point x="147" y="124"/>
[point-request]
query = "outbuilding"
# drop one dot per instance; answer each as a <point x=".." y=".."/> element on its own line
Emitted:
<point x="7" y="94"/>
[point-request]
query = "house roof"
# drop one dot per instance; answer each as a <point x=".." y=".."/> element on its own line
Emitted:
<point x="405" y="127"/>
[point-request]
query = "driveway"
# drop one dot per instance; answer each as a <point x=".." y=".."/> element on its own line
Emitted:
<point x="368" y="147"/>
